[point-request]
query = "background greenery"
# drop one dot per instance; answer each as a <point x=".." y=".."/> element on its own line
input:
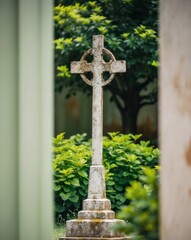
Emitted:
<point x="124" y="158"/>
<point x="130" y="30"/>
<point x="141" y="215"/>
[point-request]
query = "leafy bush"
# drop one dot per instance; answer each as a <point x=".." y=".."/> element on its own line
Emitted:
<point x="141" y="214"/>
<point x="70" y="164"/>
<point x="123" y="159"/>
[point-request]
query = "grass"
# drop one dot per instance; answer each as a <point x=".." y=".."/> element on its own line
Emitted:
<point x="59" y="231"/>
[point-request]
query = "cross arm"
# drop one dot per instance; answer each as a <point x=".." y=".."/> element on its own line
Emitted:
<point x="115" y="66"/>
<point x="80" y="67"/>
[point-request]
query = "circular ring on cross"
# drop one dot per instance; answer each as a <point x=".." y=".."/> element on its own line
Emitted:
<point x="112" y="59"/>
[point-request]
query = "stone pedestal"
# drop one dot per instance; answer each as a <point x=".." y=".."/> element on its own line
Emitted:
<point x="95" y="221"/>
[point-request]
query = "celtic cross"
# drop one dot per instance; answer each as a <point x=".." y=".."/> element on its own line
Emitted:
<point x="98" y="66"/>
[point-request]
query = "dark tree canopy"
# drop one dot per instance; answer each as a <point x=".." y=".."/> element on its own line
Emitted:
<point x="130" y="31"/>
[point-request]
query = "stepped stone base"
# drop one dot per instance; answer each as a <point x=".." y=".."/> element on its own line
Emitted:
<point x="94" y="224"/>
<point x="93" y="238"/>
<point x="95" y="221"/>
<point x="96" y="214"/>
<point x="96" y="229"/>
<point x="99" y="228"/>
<point x="97" y="204"/>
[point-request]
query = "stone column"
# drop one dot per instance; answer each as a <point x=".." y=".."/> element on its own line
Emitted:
<point x="175" y="119"/>
<point x="26" y="99"/>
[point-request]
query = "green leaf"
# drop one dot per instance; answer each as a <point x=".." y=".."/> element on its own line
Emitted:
<point x="57" y="187"/>
<point x="118" y="187"/>
<point x="83" y="174"/>
<point x="75" y="182"/>
<point x="65" y="196"/>
<point x="110" y="183"/>
<point x="74" y="199"/>
<point x="63" y="71"/>
<point x="82" y="192"/>
<point x="67" y="189"/>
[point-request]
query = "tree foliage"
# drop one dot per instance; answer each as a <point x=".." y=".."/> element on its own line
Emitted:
<point x="130" y="30"/>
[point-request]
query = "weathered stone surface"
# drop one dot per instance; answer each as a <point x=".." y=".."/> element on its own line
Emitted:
<point x="97" y="204"/>
<point x="97" y="189"/>
<point x="92" y="228"/>
<point x="99" y="214"/>
<point x="94" y="238"/>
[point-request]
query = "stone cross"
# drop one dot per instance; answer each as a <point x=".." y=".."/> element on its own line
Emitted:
<point x="98" y="66"/>
<point x="96" y="219"/>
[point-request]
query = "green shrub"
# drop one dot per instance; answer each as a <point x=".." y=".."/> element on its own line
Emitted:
<point x="70" y="164"/>
<point x="123" y="157"/>
<point x="141" y="214"/>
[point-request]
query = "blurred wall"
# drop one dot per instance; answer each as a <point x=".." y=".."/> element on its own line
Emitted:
<point x="73" y="116"/>
<point x="26" y="122"/>
<point x="175" y="119"/>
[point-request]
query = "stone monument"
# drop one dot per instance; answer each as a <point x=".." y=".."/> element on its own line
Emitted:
<point x="96" y="219"/>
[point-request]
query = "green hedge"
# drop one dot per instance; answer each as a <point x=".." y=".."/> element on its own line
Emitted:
<point x="124" y="157"/>
<point x="141" y="215"/>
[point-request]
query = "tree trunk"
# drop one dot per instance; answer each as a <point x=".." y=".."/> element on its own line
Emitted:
<point x="128" y="104"/>
<point x="129" y="121"/>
